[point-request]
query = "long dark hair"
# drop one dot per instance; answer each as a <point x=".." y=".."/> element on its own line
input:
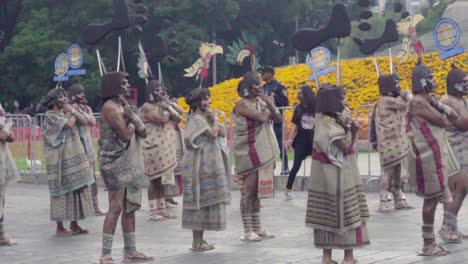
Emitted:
<point x="308" y="99"/>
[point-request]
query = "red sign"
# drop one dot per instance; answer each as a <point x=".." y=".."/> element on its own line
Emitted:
<point x="133" y="97"/>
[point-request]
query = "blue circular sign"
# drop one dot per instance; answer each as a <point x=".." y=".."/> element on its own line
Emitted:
<point x="318" y="58"/>
<point x="75" y="56"/>
<point x="61" y="65"/>
<point x="446" y="34"/>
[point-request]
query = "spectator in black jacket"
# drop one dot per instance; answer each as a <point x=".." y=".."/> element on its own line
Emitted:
<point x="279" y="92"/>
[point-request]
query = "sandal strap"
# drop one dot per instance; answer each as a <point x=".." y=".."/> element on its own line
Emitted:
<point x="107" y="259"/>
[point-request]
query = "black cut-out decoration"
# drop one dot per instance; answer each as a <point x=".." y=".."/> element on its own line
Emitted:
<point x="369" y="46"/>
<point x="141" y="9"/>
<point x="405" y="15"/>
<point x="339" y="26"/>
<point x="364" y="26"/>
<point x="397" y="7"/>
<point x="140" y="19"/>
<point x="363" y="3"/>
<point x="120" y="20"/>
<point x="365" y="14"/>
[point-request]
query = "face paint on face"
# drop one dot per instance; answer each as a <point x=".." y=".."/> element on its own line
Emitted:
<point x="256" y="89"/>
<point x="125" y="87"/>
<point x="432" y="85"/>
<point x="205" y="104"/>
<point x="81" y="98"/>
<point x="159" y="93"/>
<point x="62" y="101"/>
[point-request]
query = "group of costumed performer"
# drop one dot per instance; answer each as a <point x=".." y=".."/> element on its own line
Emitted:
<point x="392" y="142"/>
<point x="8" y="171"/>
<point x="68" y="166"/>
<point x="121" y="163"/>
<point x="160" y="116"/>
<point x="206" y="169"/>
<point x="255" y="150"/>
<point x="77" y="97"/>
<point x="336" y="207"/>
<point x="431" y="161"/>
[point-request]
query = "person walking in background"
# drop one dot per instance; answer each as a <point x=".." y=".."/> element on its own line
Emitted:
<point x="302" y="134"/>
<point x="273" y="87"/>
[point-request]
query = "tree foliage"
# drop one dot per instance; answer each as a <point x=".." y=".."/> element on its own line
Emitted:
<point x="36" y="31"/>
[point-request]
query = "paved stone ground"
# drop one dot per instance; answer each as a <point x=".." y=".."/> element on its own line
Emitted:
<point x="395" y="237"/>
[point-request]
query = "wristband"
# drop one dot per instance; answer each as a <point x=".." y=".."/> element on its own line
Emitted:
<point x="139" y="125"/>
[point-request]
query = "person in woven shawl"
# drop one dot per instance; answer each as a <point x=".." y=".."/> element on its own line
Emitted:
<point x="431" y="160"/>
<point x="77" y="97"/>
<point x="392" y="143"/>
<point x="255" y="152"/>
<point x="457" y="132"/>
<point x="159" y="147"/>
<point x="176" y="190"/>
<point x="336" y="206"/>
<point x="67" y="164"/>
<point x="8" y="172"/>
<point x="121" y="164"/>
<point x="206" y="170"/>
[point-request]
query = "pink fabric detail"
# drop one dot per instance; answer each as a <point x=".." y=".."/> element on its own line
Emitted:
<point x="433" y="144"/>
<point x="320" y="156"/>
<point x="251" y="139"/>
<point x="359" y="239"/>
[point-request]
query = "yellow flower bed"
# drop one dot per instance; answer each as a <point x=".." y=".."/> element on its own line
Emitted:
<point x="358" y="78"/>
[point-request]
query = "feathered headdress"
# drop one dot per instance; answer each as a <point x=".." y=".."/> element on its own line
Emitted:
<point x="242" y="49"/>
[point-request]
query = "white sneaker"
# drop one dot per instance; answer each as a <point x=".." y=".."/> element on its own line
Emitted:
<point x="287" y="195"/>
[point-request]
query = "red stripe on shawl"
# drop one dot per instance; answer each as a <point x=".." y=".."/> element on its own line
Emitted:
<point x="427" y="133"/>
<point x="323" y="158"/>
<point x="419" y="171"/>
<point x="359" y="239"/>
<point x="251" y="140"/>
<point x="409" y="116"/>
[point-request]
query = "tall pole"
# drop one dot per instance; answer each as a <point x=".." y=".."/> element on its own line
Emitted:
<point x="297" y="52"/>
<point x="215" y="81"/>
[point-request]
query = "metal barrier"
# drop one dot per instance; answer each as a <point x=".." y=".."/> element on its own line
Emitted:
<point x="368" y="110"/>
<point x="27" y="150"/>
<point x="23" y="148"/>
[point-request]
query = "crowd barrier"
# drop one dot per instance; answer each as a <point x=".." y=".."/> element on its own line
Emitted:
<point x="27" y="149"/>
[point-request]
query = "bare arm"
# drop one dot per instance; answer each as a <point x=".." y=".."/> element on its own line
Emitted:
<point x="115" y="120"/>
<point x="462" y="121"/>
<point x="176" y="107"/>
<point x="429" y="113"/>
<point x="270" y="102"/>
<point x="76" y="116"/>
<point x="214" y="131"/>
<point x="154" y="114"/>
<point x="90" y="116"/>
<point x="246" y="109"/>
<point x="174" y="115"/>
<point x="397" y="105"/>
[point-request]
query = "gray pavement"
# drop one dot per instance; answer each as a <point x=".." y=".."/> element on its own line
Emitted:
<point x="395" y="237"/>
